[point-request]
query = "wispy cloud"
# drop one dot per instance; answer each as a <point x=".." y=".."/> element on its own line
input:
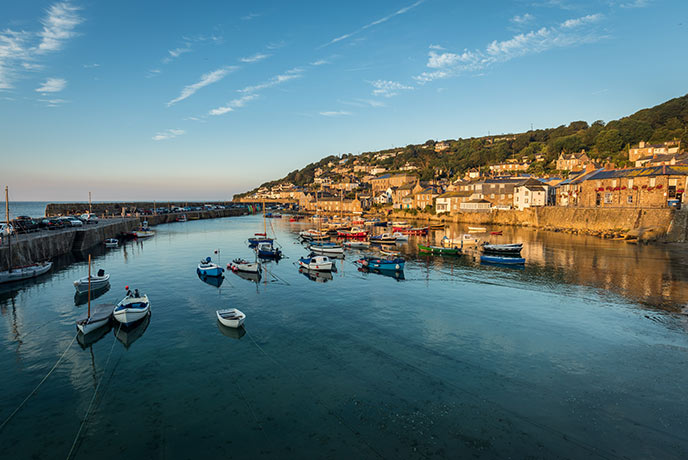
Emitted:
<point x="187" y="45"/>
<point x="364" y="103"/>
<point x="91" y="66"/>
<point x="58" y="26"/>
<point x="232" y="105"/>
<point x="572" y="32"/>
<point x="274" y="81"/>
<point x="522" y="19"/>
<point x="250" y="16"/>
<point x="206" y="79"/>
<point x="320" y="62"/>
<point x="255" y="58"/>
<point x="52" y="85"/>
<point x="168" y="134"/>
<point x="335" y="113"/>
<point x="153" y="73"/>
<point x="374" y="23"/>
<point x="635" y="4"/>
<point x="436" y="47"/>
<point x="388" y="88"/>
<point x="53" y="102"/>
<point x="20" y="50"/>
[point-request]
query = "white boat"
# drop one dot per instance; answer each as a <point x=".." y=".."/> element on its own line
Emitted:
<point x="316" y="263"/>
<point x="400" y="223"/>
<point x="326" y="248"/>
<point x="241" y="265"/>
<point x="144" y="231"/>
<point x="385" y="238"/>
<point x="231" y="317"/>
<point x="400" y="236"/>
<point x="132" y="308"/>
<point x="22" y="273"/>
<point x="111" y="243"/>
<point x="97" y="282"/>
<point x="387" y="252"/>
<point x="464" y="240"/>
<point x="209" y="268"/>
<point x="477" y="229"/>
<point x="357" y="244"/>
<point x="312" y="234"/>
<point x="511" y="248"/>
<point x="96" y="318"/>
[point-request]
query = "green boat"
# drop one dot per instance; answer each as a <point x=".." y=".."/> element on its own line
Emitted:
<point x="439" y="250"/>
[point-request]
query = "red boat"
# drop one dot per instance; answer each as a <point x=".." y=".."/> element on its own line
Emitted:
<point x="355" y="232"/>
<point x="411" y="231"/>
<point x="496" y="233"/>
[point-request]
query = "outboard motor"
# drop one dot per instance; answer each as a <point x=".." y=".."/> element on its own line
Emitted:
<point x="101" y="273"/>
<point x="207" y="260"/>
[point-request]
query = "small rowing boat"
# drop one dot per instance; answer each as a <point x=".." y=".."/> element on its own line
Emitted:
<point x="96" y="282"/>
<point x="455" y="251"/>
<point x="231" y="317"/>
<point x="379" y="263"/>
<point x="356" y="244"/>
<point x="242" y="265"/>
<point x="326" y="248"/>
<point x="513" y="248"/>
<point x="111" y="243"/>
<point x="502" y="260"/>
<point x="208" y="268"/>
<point x="132" y="308"/>
<point x="477" y="229"/>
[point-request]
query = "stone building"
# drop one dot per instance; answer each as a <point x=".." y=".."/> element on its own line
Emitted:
<point x="651" y="187"/>
<point x="530" y="194"/>
<point x="451" y="201"/>
<point x="644" y="150"/>
<point x="388" y="180"/>
<point x="573" y="161"/>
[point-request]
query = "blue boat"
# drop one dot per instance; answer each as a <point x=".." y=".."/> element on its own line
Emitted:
<point x="268" y="251"/>
<point x="378" y="263"/>
<point x="255" y="241"/>
<point x="502" y="260"/>
<point x="208" y="268"/>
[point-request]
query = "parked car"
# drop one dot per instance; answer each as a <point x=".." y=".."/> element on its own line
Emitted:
<point x="51" y="223"/>
<point x="89" y="218"/>
<point x="74" y="221"/>
<point x="25" y="224"/>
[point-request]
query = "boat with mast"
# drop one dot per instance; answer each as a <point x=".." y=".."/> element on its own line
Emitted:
<point x="18" y="273"/>
<point x="99" y="317"/>
<point x="260" y="237"/>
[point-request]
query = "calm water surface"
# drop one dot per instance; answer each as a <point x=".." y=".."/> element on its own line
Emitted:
<point x="581" y="354"/>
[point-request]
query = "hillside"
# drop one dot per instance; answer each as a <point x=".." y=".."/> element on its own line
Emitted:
<point x="609" y="142"/>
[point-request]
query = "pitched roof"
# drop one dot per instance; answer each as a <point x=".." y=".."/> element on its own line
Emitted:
<point x="641" y="172"/>
<point x="384" y="176"/>
<point x="455" y="194"/>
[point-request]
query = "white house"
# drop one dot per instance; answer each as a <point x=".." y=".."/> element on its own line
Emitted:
<point x="532" y="193"/>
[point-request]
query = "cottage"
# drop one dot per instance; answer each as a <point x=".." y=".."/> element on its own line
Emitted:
<point x="572" y="161"/>
<point x="644" y="150"/>
<point x="451" y="201"/>
<point x="425" y="197"/>
<point x="532" y="193"/>
<point x="475" y="205"/>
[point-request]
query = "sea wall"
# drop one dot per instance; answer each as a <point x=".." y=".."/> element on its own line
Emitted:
<point x="666" y="224"/>
<point x="117" y="208"/>
<point x="36" y="247"/>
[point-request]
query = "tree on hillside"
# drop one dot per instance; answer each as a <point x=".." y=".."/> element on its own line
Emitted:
<point x="609" y="141"/>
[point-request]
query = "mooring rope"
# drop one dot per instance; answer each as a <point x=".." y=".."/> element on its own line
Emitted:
<point x="39" y="384"/>
<point x="93" y="398"/>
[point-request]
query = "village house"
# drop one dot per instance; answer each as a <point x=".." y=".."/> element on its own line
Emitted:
<point x="572" y="161"/>
<point x="398" y="193"/>
<point x="530" y="194"/>
<point x="509" y="166"/>
<point x="644" y="150"/>
<point x="331" y="205"/>
<point x="377" y="170"/>
<point x="384" y="197"/>
<point x="346" y="185"/>
<point x="388" y="180"/>
<point x="669" y="159"/>
<point x="451" y="201"/>
<point x="441" y="146"/>
<point x="408" y="167"/>
<point x="425" y="197"/>
<point x="475" y="205"/>
<point x="499" y="192"/>
<point x="652" y="187"/>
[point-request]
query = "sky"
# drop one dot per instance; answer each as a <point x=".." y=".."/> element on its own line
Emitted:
<point x="178" y="100"/>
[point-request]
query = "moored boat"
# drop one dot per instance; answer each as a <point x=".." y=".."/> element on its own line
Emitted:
<point x="455" y="251"/>
<point x="513" y="248"/>
<point x="99" y="281"/>
<point x="400" y="236"/>
<point x="355" y="232"/>
<point x="96" y="318"/>
<point x="436" y="226"/>
<point x="231" y="317"/>
<point x="502" y="260"/>
<point x="242" y="265"/>
<point x="268" y="251"/>
<point x="356" y="244"/>
<point x="144" y="231"/>
<point x="384" y="238"/>
<point x="257" y="239"/>
<point x="111" y="243"/>
<point x="208" y="268"/>
<point x="496" y="233"/>
<point x="326" y="248"/>
<point x="379" y="263"/>
<point x="477" y="229"/>
<point x="132" y="308"/>
<point x="26" y="272"/>
<point x="316" y="262"/>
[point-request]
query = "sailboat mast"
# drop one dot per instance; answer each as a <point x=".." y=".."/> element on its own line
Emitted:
<point x="9" y="232"/>
<point x="265" y="224"/>
<point x="89" y="285"/>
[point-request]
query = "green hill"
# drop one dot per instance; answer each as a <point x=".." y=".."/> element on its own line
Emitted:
<point x="609" y="142"/>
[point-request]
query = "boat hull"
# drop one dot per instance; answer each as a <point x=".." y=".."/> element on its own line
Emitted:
<point x="81" y="285"/>
<point x="383" y="264"/>
<point x="502" y="260"/>
<point x="24" y="273"/>
<point x="212" y="271"/>
<point x="231" y="318"/>
<point x="126" y="314"/>
<point x="439" y="250"/>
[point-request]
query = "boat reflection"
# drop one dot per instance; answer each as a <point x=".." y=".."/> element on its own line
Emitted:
<point x="211" y="280"/>
<point x="130" y="334"/>
<point x="254" y="277"/>
<point x="396" y="274"/>
<point x="87" y="340"/>
<point x="317" y="276"/>
<point x="231" y="332"/>
<point x="80" y="298"/>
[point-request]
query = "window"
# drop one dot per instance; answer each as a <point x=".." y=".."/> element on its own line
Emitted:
<point x="630" y="199"/>
<point x="652" y="181"/>
<point x="614" y="183"/>
<point x="491" y="195"/>
<point x="672" y="191"/>
<point x="501" y="196"/>
<point x="607" y="198"/>
<point x="630" y="183"/>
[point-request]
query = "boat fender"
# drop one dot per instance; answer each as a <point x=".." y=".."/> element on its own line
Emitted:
<point x="397" y="266"/>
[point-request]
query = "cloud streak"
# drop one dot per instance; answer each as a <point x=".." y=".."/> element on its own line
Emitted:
<point x="168" y="134"/>
<point x="232" y="105"/>
<point x="388" y="88"/>
<point x="58" y="26"/>
<point x="335" y="113"/>
<point x="572" y="32"/>
<point x="206" y="79"/>
<point x="255" y="58"/>
<point x="373" y="24"/>
<point x="291" y="74"/>
<point x="52" y="85"/>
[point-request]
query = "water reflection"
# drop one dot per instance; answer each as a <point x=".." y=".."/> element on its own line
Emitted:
<point x="254" y="277"/>
<point x="397" y="275"/>
<point x="87" y="340"/>
<point x="317" y="276"/>
<point x="211" y="280"/>
<point x="231" y="332"/>
<point x="81" y="298"/>
<point x="129" y="335"/>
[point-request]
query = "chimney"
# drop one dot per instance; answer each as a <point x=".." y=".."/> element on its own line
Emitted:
<point x="641" y="145"/>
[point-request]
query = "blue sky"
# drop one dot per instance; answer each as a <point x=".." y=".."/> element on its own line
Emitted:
<point x="200" y="100"/>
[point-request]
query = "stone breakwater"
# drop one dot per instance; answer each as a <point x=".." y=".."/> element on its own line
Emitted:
<point x="36" y="247"/>
<point x="45" y="245"/>
<point x="664" y="224"/>
<point x="115" y="209"/>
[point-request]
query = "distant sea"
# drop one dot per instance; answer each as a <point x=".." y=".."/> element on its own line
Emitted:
<point x="24" y="208"/>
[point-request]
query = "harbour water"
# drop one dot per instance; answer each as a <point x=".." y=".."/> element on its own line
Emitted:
<point x="580" y="354"/>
